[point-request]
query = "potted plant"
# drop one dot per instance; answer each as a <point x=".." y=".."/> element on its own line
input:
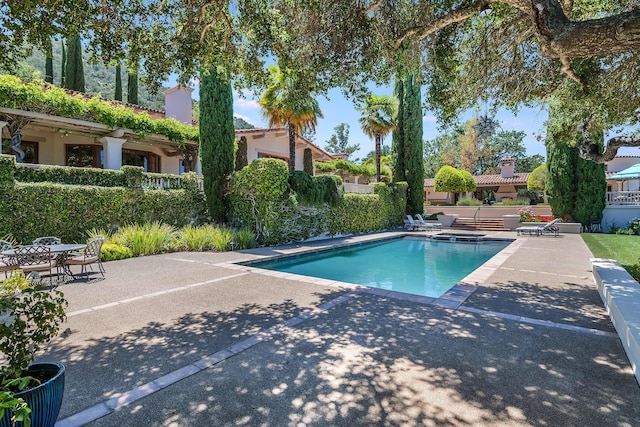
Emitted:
<point x="30" y="316"/>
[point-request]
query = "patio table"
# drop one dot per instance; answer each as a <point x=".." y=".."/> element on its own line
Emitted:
<point x="62" y="251"/>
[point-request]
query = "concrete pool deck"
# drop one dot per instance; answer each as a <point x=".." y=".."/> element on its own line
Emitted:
<point x="191" y="339"/>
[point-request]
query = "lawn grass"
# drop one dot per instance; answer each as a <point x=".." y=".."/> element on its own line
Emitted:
<point x="622" y="248"/>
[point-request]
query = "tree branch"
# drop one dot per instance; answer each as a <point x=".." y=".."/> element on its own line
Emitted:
<point x="557" y="35"/>
<point x="591" y="151"/>
<point x="373" y="7"/>
<point x="423" y="31"/>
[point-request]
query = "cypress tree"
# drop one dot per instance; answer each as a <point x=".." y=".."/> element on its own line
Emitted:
<point x="591" y="187"/>
<point x="408" y="163"/>
<point x="74" y="72"/>
<point x="216" y="138"/>
<point x="132" y="88"/>
<point x="561" y="183"/>
<point x="241" y="153"/>
<point x="307" y="161"/>
<point x="398" y="168"/>
<point x="64" y="65"/>
<point x="48" y="64"/>
<point x="413" y="149"/>
<point x="118" y="93"/>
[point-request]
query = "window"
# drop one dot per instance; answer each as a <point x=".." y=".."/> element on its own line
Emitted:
<point x="272" y="156"/>
<point x="83" y="156"/>
<point x="149" y="161"/>
<point x="30" y="150"/>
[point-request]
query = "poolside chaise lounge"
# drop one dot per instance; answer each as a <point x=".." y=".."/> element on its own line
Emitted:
<point x="411" y="224"/>
<point x="428" y="225"/>
<point x="549" y="227"/>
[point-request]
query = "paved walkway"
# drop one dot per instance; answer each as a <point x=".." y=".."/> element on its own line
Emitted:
<point x="191" y="339"/>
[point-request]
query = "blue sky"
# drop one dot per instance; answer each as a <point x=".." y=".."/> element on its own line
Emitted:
<point x="337" y="109"/>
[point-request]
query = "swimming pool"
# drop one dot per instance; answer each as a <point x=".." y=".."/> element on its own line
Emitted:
<point x="411" y="265"/>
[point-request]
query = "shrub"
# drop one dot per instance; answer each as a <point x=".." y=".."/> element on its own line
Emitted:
<point x="449" y="179"/>
<point x="221" y="239"/>
<point x="115" y="251"/>
<point x="245" y="238"/>
<point x="7" y="170"/>
<point x="31" y="316"/>
<point x="148" y="239"/>
<point x="469" y="202"/>
<point x="509" y="202"/>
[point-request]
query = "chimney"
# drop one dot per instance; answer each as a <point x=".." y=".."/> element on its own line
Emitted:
<point x="178" y="104"/>
<point x="507" y="166"/>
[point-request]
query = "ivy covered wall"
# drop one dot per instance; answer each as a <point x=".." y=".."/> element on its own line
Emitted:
<point x="261" y="198"/>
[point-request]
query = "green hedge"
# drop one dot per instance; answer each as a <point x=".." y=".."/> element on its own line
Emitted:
<point x="280" y="216"/>
<point x="7" y="169"/>
<point x="68" y="211"/>
<point x="128" y="176"/>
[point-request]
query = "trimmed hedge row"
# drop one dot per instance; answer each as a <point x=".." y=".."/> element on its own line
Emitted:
<point x="68" y="211"/>
<point x="128" y="176"/>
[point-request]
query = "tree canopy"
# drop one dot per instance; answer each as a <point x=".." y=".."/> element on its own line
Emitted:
<point x="580" y="53"/>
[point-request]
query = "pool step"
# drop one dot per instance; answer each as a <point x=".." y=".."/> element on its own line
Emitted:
<point x="478" y="224"/>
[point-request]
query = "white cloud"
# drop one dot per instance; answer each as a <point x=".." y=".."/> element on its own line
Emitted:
<point x="246" y="103"/>
<point x="429" y="119"/>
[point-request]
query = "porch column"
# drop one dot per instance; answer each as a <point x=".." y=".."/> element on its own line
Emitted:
<point x="197" y="168"/>
<point x="2" y="125"/>
<point x="112" y="151"/>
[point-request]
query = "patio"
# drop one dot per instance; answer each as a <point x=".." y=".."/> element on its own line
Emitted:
<point x="186" y="339"/>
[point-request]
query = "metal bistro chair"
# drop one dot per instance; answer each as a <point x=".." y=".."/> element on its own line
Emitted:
<point x="48" y="240"/>
<point x="35" y="258"/>
<point x="90" y="255"/>
<point x="7" y="262"/>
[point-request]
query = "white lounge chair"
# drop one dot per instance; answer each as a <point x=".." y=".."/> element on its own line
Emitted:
<point x="412" y="225"/>
<point x="428" y="225"/>
<point x="549" y="227"/>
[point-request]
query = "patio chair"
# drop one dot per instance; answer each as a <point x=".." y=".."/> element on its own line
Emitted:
<point x="7" y="262"/>
<point x="428" y="225"/>
<point x="34" y="258"/>
<point x="90" y="255"/>
<point x="48" y="240"/>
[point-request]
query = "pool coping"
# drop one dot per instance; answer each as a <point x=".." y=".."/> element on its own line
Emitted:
<point x="453" y="298"/>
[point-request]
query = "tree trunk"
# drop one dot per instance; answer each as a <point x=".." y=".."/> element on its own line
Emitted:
<point x="378" y="150"/>
<point x="292" y="147"/>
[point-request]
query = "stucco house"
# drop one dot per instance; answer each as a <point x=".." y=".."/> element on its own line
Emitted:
<point x="54" y="140"/>
<point x="504" y="185"/>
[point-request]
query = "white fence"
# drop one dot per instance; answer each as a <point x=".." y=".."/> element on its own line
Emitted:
<point x="357" y="188"/>
<point x="623" y="198"/>
<point x="168" y="183"/>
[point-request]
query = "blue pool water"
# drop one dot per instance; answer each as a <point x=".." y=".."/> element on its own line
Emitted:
<point x="415" y="266"/>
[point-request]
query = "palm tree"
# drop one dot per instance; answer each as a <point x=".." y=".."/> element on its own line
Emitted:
<point x="378" y="119"/>
<point x="288" y="101"/>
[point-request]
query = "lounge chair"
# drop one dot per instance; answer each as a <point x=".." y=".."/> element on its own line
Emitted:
<point x="428" y="225"/>
<point x="412" y="225"/>
<point x="549" y="227"/>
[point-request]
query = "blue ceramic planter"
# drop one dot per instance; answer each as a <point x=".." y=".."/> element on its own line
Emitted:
<point x="45" y="399"/>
